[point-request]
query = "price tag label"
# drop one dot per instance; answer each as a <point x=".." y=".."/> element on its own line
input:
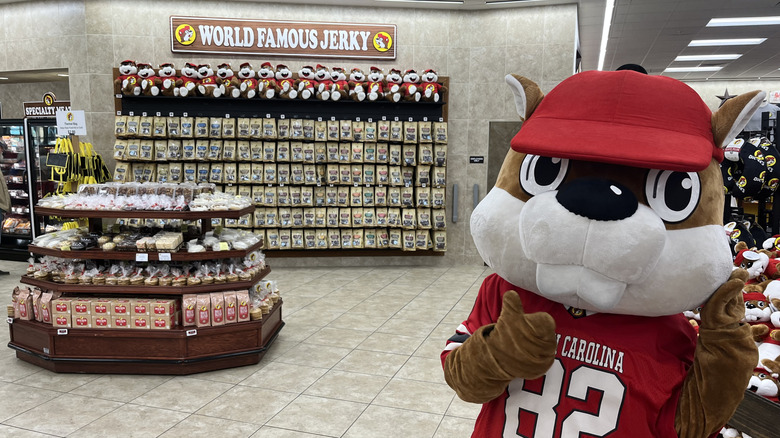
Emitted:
<point x="165" y="256"/>
<point x="9" y="320"/>
<point x="184" y="114"/>
<point x="157" y="114"/>
<point x="357" y="119"/>
<point x="192" y="332"/>
<point x="118" y="96"/>
<point x="119" y="113"/>
<point x="425" y="119"/>
<point x="170" y="114"/>
<point x="227" y="116"/>
<point x="141" y="257"/>
<point x="62" y="332"/>
<point x="143" y="114"/>
<point x="410" y="119"/>
<point x="131" y="113"/>
<point x="281" y="116"/>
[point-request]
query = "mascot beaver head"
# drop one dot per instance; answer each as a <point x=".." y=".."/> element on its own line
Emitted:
<point x="611" y="197"/>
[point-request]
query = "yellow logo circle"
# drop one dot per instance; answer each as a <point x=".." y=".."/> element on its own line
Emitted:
<point x="382" y="41"/>
<point x="70" y="117"/>
<point x="185" y="34"/>
<point x="48" y="99"/>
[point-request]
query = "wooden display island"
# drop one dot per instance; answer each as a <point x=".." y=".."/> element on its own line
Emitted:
<point x="180" y="350"/>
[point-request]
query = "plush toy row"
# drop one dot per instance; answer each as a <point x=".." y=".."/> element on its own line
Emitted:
<point x="318" y="83"/>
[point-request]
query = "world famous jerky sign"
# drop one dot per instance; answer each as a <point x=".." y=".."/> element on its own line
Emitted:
<point x="285" y="38"/>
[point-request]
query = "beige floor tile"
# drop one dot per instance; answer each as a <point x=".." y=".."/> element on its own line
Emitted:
<point x="416" y="396"/>
<point x="57" y="382"/>
<point x="459" y="408"/>
<point x="384" y="422"/>
<point x="13" y="369"/>
<point x="120" y="388"/>
<point x="407" y="327"/>
<point x="454" y="427"/>
<point x="418" y="313"/>
<point x="431" y="348"/>
<point x="278" y="348"/>
<point x="318" y="415"/>
<point x="312" y="317"/>
<point x="343" y="385"/>
<point x="423" y="369"/>
<point x="230" y="375"/>
<point x="359" y="321"/>
<point x="15" y="399"/>
<point x="247" y="404"/>
<point x="320" y="356"/>
<point x="182" y="394"/>
<point x="15" y="432"/>
<point x="63" y="415"/>
<point x="391" y="343"/>
<point x="372" y="362"/>
<point x="201" y="426"/>
<point x="275" y="432"/>
<point x="336" y="337"/>
<point x="131" y="421"/>
<point x="284" y="377"/>
<point x="297" y="331"/>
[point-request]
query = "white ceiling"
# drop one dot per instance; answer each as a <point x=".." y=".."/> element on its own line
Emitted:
<point x="647" y="32"/>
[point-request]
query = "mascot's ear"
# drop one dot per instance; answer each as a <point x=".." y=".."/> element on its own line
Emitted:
<point x="528" y="95"/>
<point x="730" y="118"/>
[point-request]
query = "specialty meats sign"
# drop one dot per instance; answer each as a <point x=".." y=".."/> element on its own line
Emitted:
<point x="282" y="38"/>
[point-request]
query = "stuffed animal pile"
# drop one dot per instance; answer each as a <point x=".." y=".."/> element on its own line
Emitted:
<point x="279" y="82"/>
<point x="604" y="225"/>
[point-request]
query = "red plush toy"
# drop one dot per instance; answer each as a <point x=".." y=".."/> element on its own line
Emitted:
<point x="266" y="81"/>
<point x="306" y="84"/>
<point x="432" y="90"/>
<point x="189" y="80"/>
<point x="148" y="79"/>
<point x="246" y="75"/>
<point x="286" y="83"/>
<point x="376" y="83"/>
<point x="208" y="82"/>
<point x="228" y="83"/>
<point x="169" y="85"/>
<point x="394" y="80"/>
<point x="128" y="78"/>
<point x="357" y="85"/>
<point x="340" y="86"/>
<point x="411" y="86"/>
<point x="322" y="76"/>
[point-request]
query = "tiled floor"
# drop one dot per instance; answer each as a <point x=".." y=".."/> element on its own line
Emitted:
<point x="358" y="358"/>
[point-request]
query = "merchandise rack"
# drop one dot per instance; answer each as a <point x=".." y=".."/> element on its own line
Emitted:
<point x="179" y="351"/>
<point x="345" y="109"/>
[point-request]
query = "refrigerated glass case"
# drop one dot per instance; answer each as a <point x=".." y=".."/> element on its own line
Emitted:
<point x="16" y="223"/>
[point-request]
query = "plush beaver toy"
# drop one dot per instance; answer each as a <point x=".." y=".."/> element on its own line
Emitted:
<point x="605" y="224"/>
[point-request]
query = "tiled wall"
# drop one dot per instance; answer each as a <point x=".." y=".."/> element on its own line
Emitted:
<point x="474" y="48"/>
<point x="13" y="95"/>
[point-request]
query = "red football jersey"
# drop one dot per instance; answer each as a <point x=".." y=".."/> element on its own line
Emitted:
<point x="613" y="376"/>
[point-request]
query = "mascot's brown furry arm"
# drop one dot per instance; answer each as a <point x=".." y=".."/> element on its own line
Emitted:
<point x="604" y="225"/>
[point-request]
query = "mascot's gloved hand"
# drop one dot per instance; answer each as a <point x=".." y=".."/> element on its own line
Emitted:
<point x="724" y="360"/>
<point x="518" y="345"/>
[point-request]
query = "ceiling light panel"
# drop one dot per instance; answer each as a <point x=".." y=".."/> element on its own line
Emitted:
<point x="723" y="57"/>
<point x="690" y="69"/>
<point x="744" y="21"/>
<point x="727" y="42"/>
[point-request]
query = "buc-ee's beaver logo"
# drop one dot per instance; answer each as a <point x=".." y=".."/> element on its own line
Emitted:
<point x="742" y="182"/>
<point x="383" y="41"/>
<point x="185" y="34"/>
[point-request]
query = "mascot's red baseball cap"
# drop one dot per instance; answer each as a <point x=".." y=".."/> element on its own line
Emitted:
<point x="625" y="118"/>
<point x="753" y="296"/>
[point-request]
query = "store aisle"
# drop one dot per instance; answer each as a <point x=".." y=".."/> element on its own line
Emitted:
<point x="358" y="358"/>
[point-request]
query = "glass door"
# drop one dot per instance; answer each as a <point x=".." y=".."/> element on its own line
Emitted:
<point x="16" y="225"/>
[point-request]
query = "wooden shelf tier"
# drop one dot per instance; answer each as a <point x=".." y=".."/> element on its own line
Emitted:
<point x="179" y="351"/>
<point x="97" y="254"/>
<point x="144" y="289"/>
<point x="146" y="214"/>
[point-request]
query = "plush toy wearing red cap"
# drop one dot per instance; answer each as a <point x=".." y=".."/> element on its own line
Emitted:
<point x="208" y="82"/>
<point x="248" y="86"/>
<point x="267" y="88"/>
<point x="228" y="82"/>
<point x="189" y="80"/>
<point x="432" y="90"/>
<point x="324" y="83"/>
<point x="376" y="84"/>
<point x="604" y="225"/>
<point x="339" y="88"/>
<point x="286" y="82"/>
<point x="394" y="92"/>
<point x="128" y="78"/>
<point x="148" y="80"/>
<point x="306" y="84"/>
<point x="169" y="81"/>
<point x="357" y="84"/>
<point x="411" y="86"/>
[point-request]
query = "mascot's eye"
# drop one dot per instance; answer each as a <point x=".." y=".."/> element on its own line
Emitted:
<point x="760" y="304"/>
<point x="761" y="376"/>
<point x="672" y="195"/>
<point x="542" y="174"/>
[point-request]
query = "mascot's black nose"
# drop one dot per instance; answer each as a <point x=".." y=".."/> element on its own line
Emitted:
<point x="597" y="199"/>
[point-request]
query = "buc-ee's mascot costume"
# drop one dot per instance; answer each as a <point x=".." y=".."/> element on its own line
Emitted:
<point x="605" y="224"/>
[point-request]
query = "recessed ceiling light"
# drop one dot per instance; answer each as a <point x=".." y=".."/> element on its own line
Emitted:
<point x="724" y="57"/>
<point x="744" y="21"/>
<point x="727" y="42"/>
<point x="608" y="8"/>
<point x="690" y="69"/>
<point x="63" y="75"/>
